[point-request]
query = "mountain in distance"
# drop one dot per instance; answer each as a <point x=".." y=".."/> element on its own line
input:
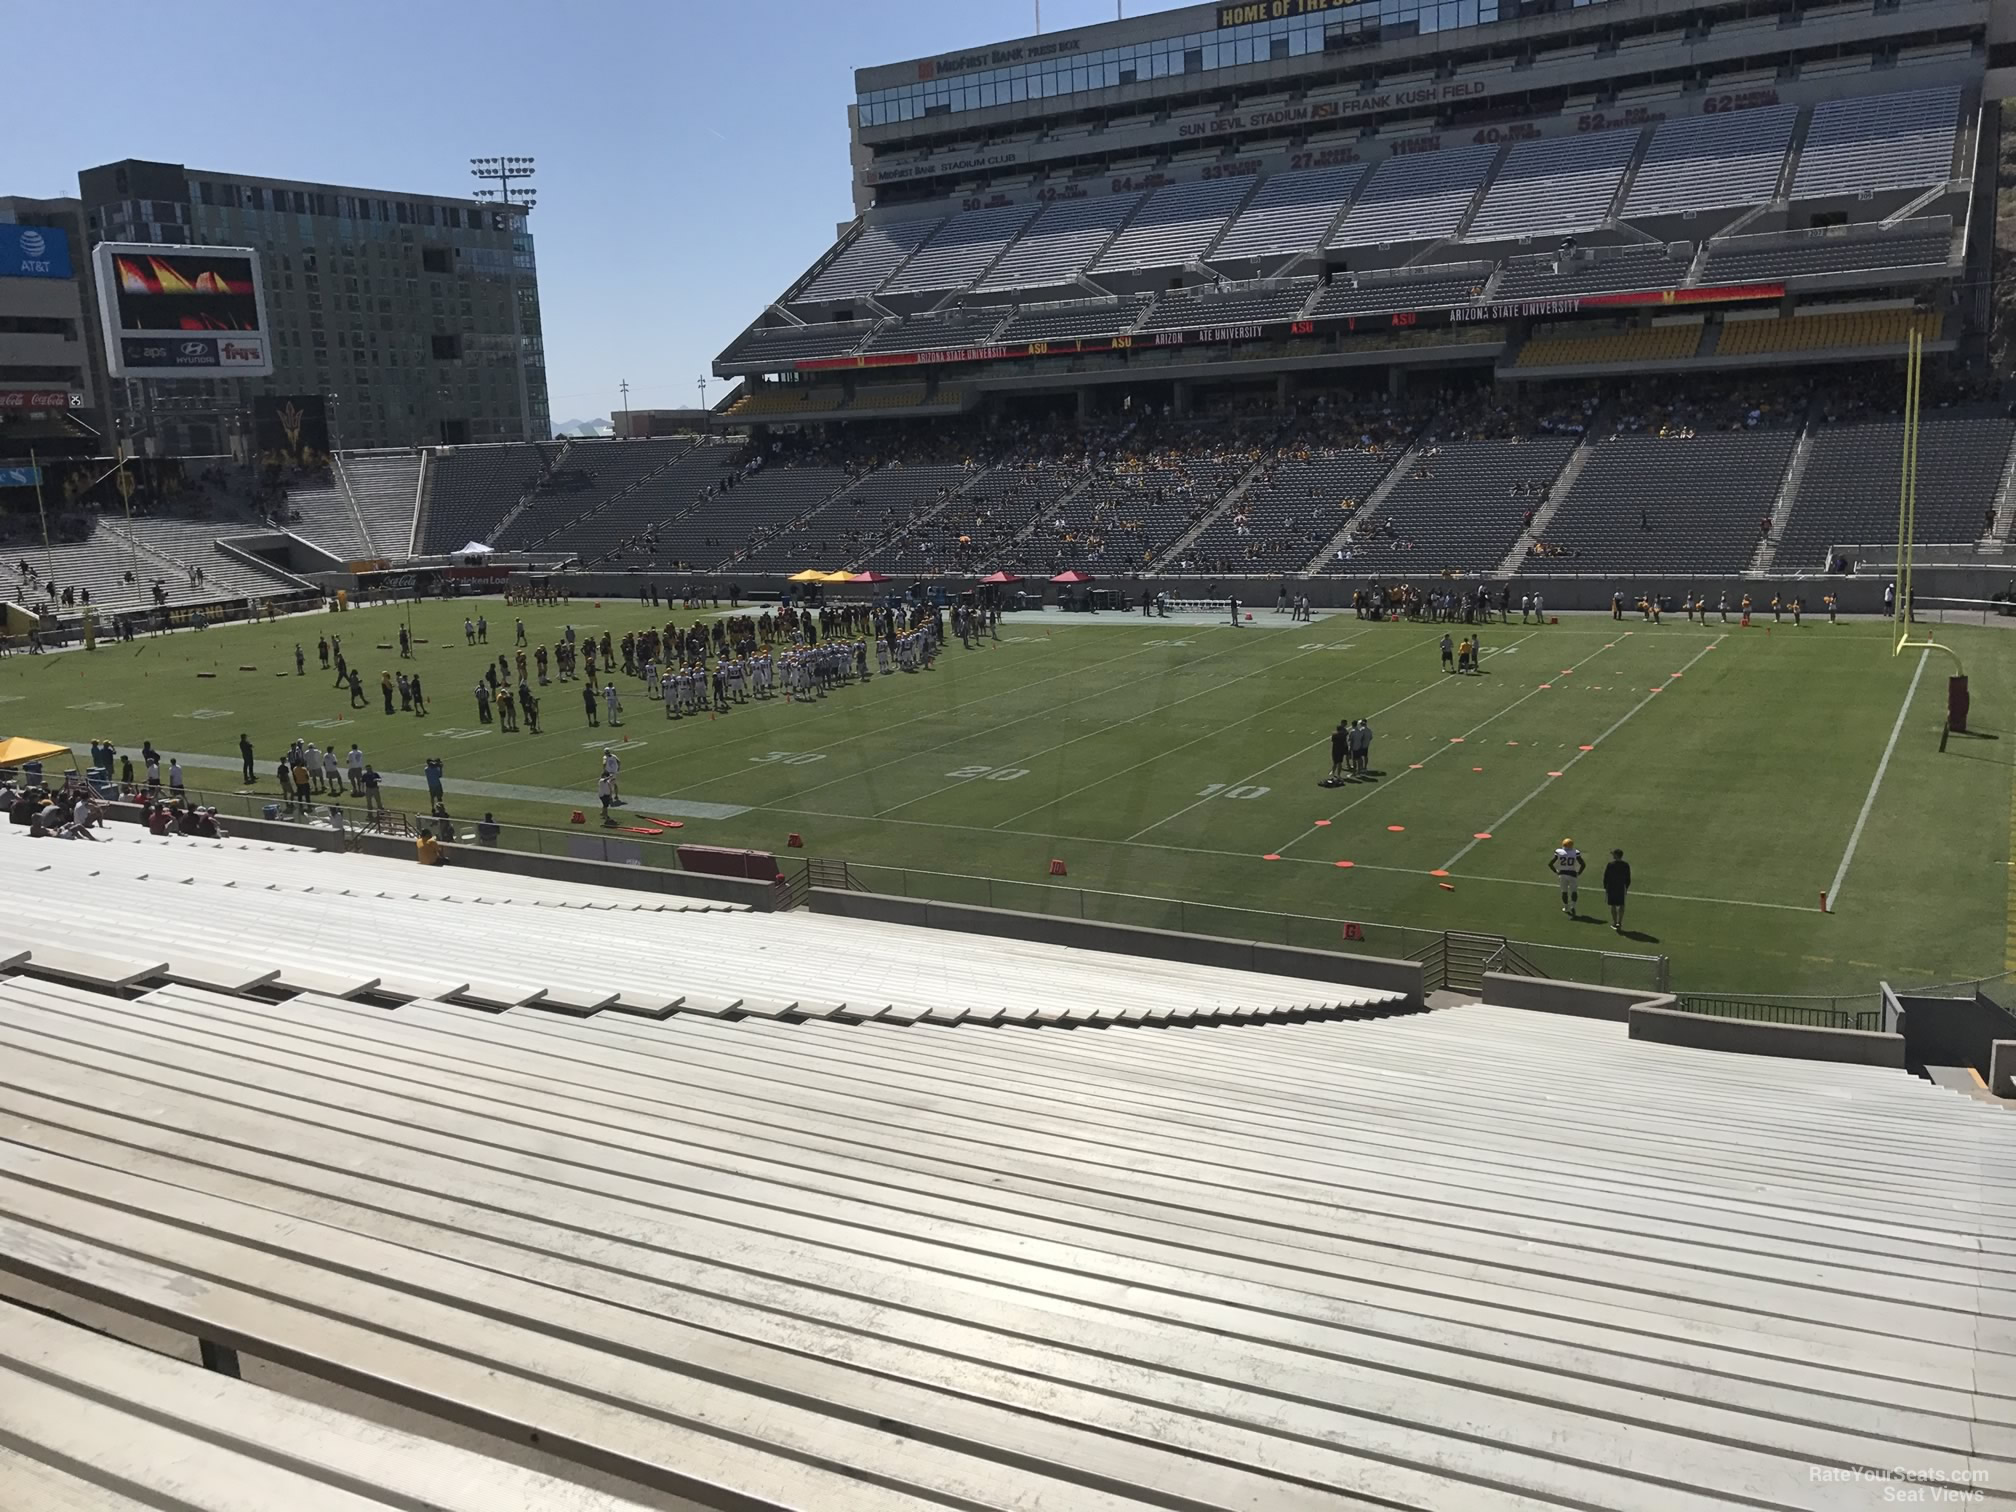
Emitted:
<point x="600" y="427"/>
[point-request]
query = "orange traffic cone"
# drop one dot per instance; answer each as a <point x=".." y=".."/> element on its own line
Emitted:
<point x="796" y="842"/>
<point x="579" y="818"/>
<point x="1056" y="867"/>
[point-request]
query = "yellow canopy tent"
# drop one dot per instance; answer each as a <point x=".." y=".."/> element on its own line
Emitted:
<point x="809" y="575"/>
<point x="17" y="749"/>
<point x="835" y="577"/>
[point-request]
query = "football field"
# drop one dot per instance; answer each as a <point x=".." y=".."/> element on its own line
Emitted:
<point x="1174" y="769"/>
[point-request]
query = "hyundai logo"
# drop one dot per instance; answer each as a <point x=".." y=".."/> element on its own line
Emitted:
<point x="195" y="348"/>
<point x="33" y="244"/>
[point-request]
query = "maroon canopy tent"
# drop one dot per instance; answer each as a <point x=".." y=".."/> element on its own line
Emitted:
<point x="1001" y="577"/>
<point x="1074" y="576"/>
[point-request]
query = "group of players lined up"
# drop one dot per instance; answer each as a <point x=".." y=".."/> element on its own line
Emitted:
<point x="1475" y="606"/>
<point x="709" y="666"/>
<point x="1696" y="607"/>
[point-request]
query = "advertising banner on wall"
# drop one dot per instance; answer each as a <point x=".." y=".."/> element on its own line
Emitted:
<point x="33" y="252"/>
<point x="291" y="430"/>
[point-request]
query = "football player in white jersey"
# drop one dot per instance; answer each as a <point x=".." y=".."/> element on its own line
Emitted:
<point x="1567" y="864"/>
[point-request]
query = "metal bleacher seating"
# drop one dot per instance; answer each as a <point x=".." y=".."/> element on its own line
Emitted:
<point x="961" y="250"/>
<point x="585" y="476"/>
<point x="761" y="502"/>
<point x="1848" y="492"/>
<point x="190" y="544"/>
<point x="319" y="511"/>
<point x="974" y="532"/>
<point x="868" y="260"/>
<point x="757" y="1262"/>
<point x="1305" y="495"/>
<point x="1713" y="162"/>
<point x="385" y="486"/>
<point x="1176" y="223"/>
<point x="884" y="503"/>
<point x="1097" y="317"/>
<point x="1591" y="271"/>
<point x="1877" y="142"/>
<point x="787" y="343"/>
<point x="659" y="496"/>
<point x="1826" y="331"/>
<point x="1061" y="243"/>
<point x="1143" y="496"/>
<point x="1434" y="288"/>
<point x="1659" y="343"/>
<point x="1837" y="249"/>
<point x="1460" y="506"/>
<point x="785" y="399"/>
<point x="949" y="328"/>
<point x="471" y="488"/>
<point x="1554" y="186"/>
<point x="1289" y="214"/>
<point x="1649" y="504"/>
<point x="1186" y="309"/>
<point x="1415" y="197"/>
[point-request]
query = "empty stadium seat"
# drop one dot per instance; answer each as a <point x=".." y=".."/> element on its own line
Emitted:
<point x="885" y="503"/>
<point x="1460" y="506"/>
<point x="1061" y="243"/>
<point x="1820" y="332"/>
<point x="1429" y="288"/>
<point x="1289" y="214"/>
<point x="783" y="344"/>
<point x="875" y="252"/>
<point x="961" y="250"/>
<point x="1589" y="270"/>
<point x="1848" y="493"/>
<point x="1415" y="197"/>
<point x="471" y="488"/>
<point x="1175" y="224"/>
<point x="1877" y="142"/>
<point x="1650" y="504"/>
<point x="950" y="328"/>
<point x="1660" y="343"/>
<point x="1555" y="186"/>
<point x="1189" y="309"/>
<point x="385" y="487"/>
<point x="583" y="478"/>
<point x="1713" y="162"/>
<point x="1096" y="317"/>
<point x="1837" y="249"/>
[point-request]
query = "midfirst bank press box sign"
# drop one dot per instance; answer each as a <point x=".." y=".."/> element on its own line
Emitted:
<point x="183" y="312"/>
<point x="33" y="252"/>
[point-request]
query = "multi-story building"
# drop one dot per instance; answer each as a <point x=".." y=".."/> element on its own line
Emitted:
<point x="415" y="317"/>
<point x="49" y="395"/>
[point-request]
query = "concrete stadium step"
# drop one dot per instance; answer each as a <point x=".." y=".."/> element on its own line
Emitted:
<point x="1202" y="1268"/>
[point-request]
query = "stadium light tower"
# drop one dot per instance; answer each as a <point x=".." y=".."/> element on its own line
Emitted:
<point x="503" y="173"/>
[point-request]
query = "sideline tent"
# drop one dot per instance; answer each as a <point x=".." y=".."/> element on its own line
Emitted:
<point x="1001" y="577"/>
<point x="475" y="548"/>
<point x="833" y="577"/>
<point x="809" y="575"/>
<point x="1073" y="576"/>
<point x="21" y="750"/>
<point x="867" y="577"/>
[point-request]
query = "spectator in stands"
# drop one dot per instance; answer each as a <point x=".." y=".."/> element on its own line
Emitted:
<point x="434" y="772"/>
<point x="371" y="781"/>
<point x="488" y="830"/>
<point x="426" y="849"/>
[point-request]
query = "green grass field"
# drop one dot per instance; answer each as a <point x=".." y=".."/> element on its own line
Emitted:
<point x="1173" y="762"/>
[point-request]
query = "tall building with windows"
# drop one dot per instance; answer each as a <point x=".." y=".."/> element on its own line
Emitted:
<point x="49" y="391"/>
<point x="415" y="317"/>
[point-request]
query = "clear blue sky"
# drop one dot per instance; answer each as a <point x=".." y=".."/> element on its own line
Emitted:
<point x="692" y="156"/>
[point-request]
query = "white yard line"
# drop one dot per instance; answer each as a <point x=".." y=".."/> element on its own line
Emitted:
<point x="1302" y="751"/>
<point x="1121" y="724"/>
<point x="1373" y="792"/>
<point x="1876" y="782"/>
<point x="1623" y="719"/>
<point x="1198" y="850"/>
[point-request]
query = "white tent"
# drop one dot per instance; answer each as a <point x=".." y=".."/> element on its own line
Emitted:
<point x="474" y="548"/>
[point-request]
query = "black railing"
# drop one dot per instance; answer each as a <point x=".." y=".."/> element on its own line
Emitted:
<point x="1817" y="1013"/>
